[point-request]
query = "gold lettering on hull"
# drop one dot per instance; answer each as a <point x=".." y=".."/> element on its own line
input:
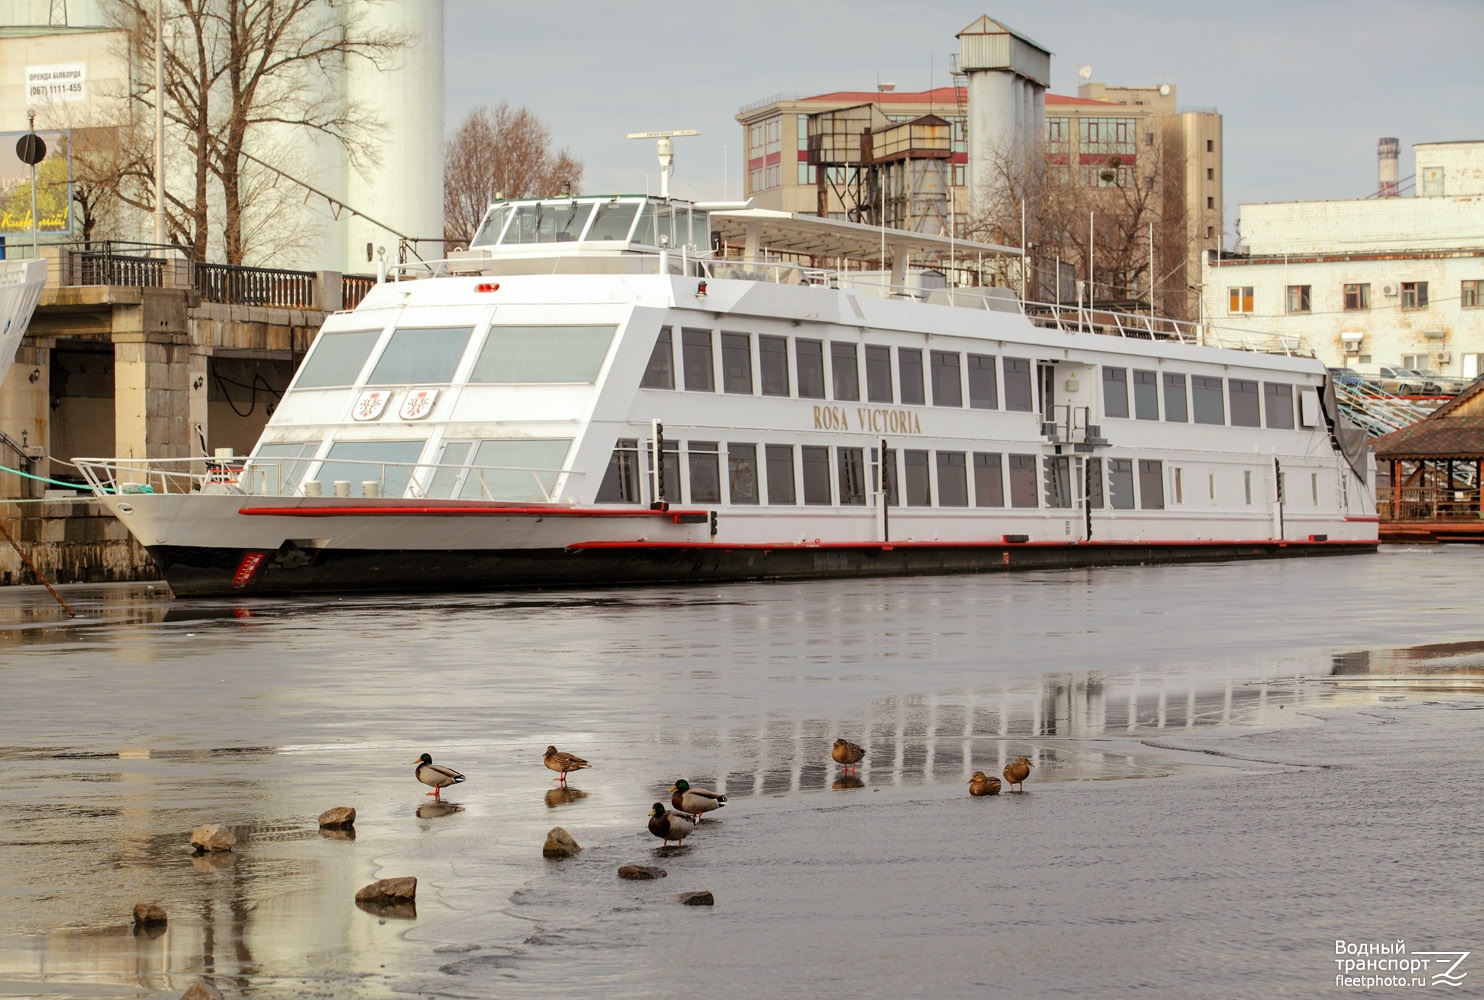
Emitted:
<point x="877" y="420"/>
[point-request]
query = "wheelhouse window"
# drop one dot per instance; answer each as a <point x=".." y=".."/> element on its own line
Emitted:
<point x="1357" y="296"/>
<point x="1206" y="397"/>
<point x="852" y="466"/>
<point x="1023" y="481"/>
<point x="705" y="472"/>
<point x="989" y="480"/>
<point x="1278" y="405"/>
<point x="947" y="383"/>
<point x="844" y="372"/>
<point x="613" y="221"/>
<point x="772" y="356"/>
<point x="1297" y="298"/>
<point x="742" y="479"/>
<point x="953" y="479"/>
<point x="919" y="487"/>
<point x="1414" y="295"/>
<point x="566" y="354"/>
<point x="809" y="354"/>
<point x="1175" y="411"/>
<point x="542" y="222"/>
<point x="1115" y="392"/>
<point x="815" y="461"/>
<point x="736" y="363"/>
<point x="780" y="470"/>
<point x="1239" y="299"/>
<point x="1146" y="395"/>
<point x="660" y="373"/>
<point x="419" y="356"/>
<point x="1018" y="395"/>
<point x="336" y="359"/>
<point x="909" y="372"/>
<point x="984" y="387"/>
<point x="385" y="465"/>
<point x="878" y="373"/>
<point x="1244" y="403"/>
<point x="621" y="480"/>
<point x="1151" y="484"/>
<point x="520" y="470"/>
<point x="695" y="360"/>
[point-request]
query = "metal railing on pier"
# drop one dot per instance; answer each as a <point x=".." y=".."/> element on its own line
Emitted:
<point x="254" y="286"/>
<point x="1428" y="503"/>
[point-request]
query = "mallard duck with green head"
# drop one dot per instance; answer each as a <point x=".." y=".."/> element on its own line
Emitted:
<point x="436" y="775"/>
<point x="563" y="762"/>
<point x="983" y="784"/>
<point x="695" y="800"/>
<point x="1017" y="771"/>
<point x="668" y="825"/>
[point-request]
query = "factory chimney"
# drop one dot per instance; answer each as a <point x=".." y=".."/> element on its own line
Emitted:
<point x="1386" y="152"/>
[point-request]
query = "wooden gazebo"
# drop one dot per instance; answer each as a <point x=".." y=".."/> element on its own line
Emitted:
<point x="1435" y="468"/>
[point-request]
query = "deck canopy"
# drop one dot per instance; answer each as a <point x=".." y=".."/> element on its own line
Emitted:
<point x="815" y="236"/>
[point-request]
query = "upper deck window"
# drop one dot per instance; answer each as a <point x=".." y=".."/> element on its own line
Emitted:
<point x="545" y="222"/>
<point x="417" y="356"/>
<point x="336" y="358"/>
<point x="543" y="354"/>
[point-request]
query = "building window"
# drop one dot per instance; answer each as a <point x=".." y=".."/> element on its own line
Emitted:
<point x="1115" y="392"/>
<point x="953" y="480"/>
<point x="1057" y="135"/>
<point x="852" y="462"/>
<point x="661" y="371"/>
<point x="1468" y="294"/>
<point x="1239" y="299"/>
<point x="1210" y="145"/>
<point x="695" y="356"/>
<point x="1175" y="411"/>
<point x="1146" y="395"/>
<point x="844" y="372"/>
<point x="1244" y="403"/>
<point x="1358" y="296"/>
<point x="772" y="356"/>
<point x="1278" y="404"/>
<point x="1414" y="295"/>
<point x="989" y="482"/>
<point x="780" y="459"/>
<point x="919" y="491"/>
<point x="1210" y="173"/>
<point x="1298" y="298"/>
<point x="736" y="362"/>
<point x="742" y="473"/>
<point x="810" y="357"/>
<point x="1206" y="399"/>
<point x="947" y="385"/>
<point x="1151" y="484"/>
<point x="816" y="464"/>
<point x="909" y="371"/>
<point x="878" y="374"/>
<point x="983" y="385"/>
<point x="1210" y="202"/>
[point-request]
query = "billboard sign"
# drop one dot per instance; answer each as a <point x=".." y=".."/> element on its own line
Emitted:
<point x="53" y="186"/>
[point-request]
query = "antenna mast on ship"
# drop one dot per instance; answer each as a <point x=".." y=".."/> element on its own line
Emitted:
<point x="666" y="150"/>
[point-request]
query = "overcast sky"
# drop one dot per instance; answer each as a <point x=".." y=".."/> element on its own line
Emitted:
<point x="1305" y="87"/>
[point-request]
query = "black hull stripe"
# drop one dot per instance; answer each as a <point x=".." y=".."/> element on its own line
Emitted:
<point x="210" y="572"/>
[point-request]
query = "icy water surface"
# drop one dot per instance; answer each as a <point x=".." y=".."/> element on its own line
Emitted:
<point x="1235" y="766"/>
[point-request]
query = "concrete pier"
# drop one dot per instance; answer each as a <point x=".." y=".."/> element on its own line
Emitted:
<point x="70" y="541"/>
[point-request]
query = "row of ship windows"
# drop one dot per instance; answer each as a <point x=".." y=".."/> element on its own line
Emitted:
<point x="947" y="377"/>
<point x="829" y="476"/>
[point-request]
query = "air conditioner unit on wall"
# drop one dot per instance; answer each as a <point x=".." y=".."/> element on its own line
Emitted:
<point x="1444" y="357"/>
<point x="1388" y="289"/>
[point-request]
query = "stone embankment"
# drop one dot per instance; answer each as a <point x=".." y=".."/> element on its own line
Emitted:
<point x="70" y="541"/>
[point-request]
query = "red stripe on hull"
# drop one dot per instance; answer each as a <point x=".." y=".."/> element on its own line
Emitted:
<point x="353" y="510"/>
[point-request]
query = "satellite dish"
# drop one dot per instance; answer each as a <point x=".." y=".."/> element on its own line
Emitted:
<point x="1164" y="90"/>
<point x="1084" y="72"/>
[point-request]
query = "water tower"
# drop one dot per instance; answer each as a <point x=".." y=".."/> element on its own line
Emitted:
<point x="1007" y="79"/>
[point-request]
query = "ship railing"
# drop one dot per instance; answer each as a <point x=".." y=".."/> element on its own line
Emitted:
<point x="1429" y="503"/>
<point x="142" y="476"/>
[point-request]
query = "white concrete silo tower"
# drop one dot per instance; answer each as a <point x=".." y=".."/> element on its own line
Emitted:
<point x="1007" y="79"/>
<point x="405" y="189"/>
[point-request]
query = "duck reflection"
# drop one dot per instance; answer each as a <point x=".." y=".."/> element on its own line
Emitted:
<point x="848" y="781"/>
<point x="433" y="810"/>
<point x="562" y="795"/>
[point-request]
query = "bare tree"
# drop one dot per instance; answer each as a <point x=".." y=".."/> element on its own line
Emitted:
<point x="233" y="70"/>
<point x="504" y="151"/>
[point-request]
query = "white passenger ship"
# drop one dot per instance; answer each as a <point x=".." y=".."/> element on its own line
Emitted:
<point x="21" y="282"/>
<point x="631" y="389"/>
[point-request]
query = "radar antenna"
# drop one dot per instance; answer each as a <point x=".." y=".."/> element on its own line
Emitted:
<point x="666" y="150"/>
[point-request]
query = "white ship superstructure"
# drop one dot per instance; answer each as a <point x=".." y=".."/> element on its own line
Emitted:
<point x="630" y="389"/>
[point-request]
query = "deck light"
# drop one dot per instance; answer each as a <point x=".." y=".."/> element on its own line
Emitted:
<point x="487" y="286"/>
<point x="700" y="289"/>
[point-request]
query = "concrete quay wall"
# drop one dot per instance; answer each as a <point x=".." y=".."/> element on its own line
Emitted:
<point x="70" y="541"/>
